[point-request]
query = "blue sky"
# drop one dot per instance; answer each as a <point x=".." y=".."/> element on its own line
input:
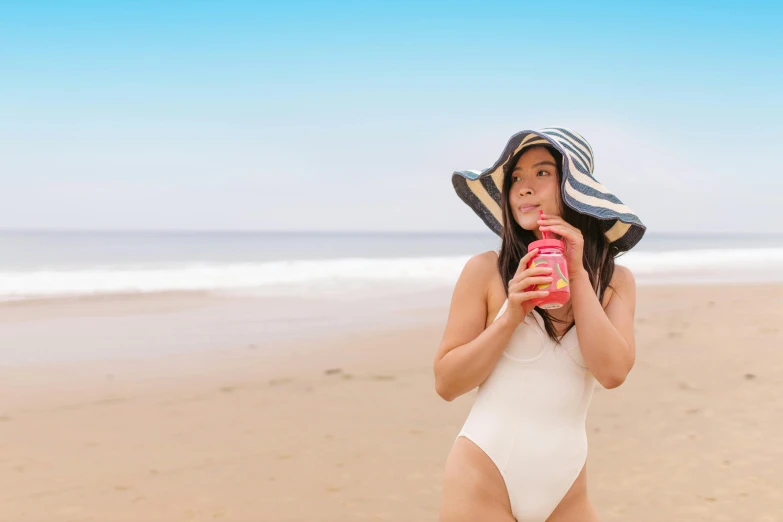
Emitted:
<point x="352" y="115"/>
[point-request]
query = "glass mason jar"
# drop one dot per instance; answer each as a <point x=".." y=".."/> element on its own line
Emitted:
<point x="551" y="254"/>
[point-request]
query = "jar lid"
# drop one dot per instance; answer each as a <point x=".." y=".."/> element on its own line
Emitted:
<point x="546" y="243"/>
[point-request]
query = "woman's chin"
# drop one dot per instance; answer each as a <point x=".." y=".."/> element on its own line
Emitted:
<point x="529" y="225"/>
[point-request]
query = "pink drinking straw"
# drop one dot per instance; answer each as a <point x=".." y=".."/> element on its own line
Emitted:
<point x="541" y="214"/>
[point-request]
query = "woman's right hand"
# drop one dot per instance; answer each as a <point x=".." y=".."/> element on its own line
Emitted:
<point x="519" y="297"/>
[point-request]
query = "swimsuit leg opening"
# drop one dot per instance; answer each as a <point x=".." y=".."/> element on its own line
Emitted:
<point x="502" y="473"/>
<point x="568" y="487"/>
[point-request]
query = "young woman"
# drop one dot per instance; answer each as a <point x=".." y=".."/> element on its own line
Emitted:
<point x="521" y="453"/>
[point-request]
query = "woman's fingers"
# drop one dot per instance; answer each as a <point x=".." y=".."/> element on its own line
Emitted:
<point x="531" y="272"/>
<point x="525" y="260"/>
<point x="550" y="217"/>
<point x="545" y="221"/>
<point x="527" y="296"/>
<point x="560" y="230"/>
<point x="528" y="282"/>
<point x="555" y="224"/>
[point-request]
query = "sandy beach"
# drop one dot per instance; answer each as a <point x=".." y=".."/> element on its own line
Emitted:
<point x="345" y="425"/>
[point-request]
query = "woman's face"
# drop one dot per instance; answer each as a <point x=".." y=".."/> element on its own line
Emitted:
<point x="534" y="187"/>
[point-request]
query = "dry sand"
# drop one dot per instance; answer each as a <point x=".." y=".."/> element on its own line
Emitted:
<point x="349" y="428"/>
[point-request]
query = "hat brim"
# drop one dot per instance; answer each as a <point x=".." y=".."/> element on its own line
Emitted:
<point x="482" y="190"/>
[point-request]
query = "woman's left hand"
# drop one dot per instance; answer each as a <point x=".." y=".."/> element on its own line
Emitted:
<point x="572" y="237"/>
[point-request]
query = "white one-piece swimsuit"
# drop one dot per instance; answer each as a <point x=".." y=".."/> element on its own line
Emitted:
<point x="529" y="417"/>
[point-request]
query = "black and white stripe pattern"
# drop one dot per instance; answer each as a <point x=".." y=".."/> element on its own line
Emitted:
<point x="481" y="190"/>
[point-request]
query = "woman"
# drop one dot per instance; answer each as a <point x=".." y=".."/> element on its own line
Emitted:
<point x="521" y="453"/>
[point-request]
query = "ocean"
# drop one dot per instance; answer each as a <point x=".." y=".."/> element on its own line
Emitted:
<point x="35" y="264"/>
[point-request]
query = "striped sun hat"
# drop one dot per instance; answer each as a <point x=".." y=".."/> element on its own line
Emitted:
<point x="481" y="190"/>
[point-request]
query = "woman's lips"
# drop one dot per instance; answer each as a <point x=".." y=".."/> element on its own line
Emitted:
<point x="527" y="208"/>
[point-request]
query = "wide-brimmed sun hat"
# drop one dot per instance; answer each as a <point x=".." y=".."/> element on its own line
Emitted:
<point x="481" y="190"/>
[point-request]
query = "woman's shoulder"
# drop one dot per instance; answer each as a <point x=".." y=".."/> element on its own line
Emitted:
<point x="481" y="284"/>
<point x="483" y="265"/>
<point x="623" y="277"/>
<point x="623" y="284"/>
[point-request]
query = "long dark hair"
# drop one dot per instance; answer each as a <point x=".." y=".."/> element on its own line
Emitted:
<point x="598" y="256"/>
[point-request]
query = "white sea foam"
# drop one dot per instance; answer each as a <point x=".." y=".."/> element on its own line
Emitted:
<point x="329" y="275"/>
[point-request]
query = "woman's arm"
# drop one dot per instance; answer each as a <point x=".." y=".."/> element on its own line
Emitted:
<point x="606" y="337"/>
<point x="468" y="352"/>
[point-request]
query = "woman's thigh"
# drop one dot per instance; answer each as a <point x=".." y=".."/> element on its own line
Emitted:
<point x="473" y="488"/>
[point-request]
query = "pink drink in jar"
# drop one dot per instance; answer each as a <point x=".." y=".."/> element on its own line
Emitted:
<point x="550" y="253"/>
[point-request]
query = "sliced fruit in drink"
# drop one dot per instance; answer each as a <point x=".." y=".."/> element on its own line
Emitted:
<point x="562" y="282"/>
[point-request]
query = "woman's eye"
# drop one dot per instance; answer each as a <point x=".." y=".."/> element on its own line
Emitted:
<point x="514" y="179"/>
<point x="545" y="173"/>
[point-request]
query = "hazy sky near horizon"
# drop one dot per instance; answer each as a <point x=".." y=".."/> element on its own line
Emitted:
<point x="353" y="115"/>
